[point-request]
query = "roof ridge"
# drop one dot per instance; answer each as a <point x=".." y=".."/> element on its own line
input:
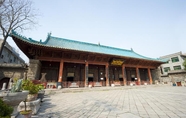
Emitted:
<point x="91" y="43"/>
<point x="144" y="56"/>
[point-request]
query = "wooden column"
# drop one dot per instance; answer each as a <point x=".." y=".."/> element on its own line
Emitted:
<point x="60" y="77"/>
<point x="138" y="75"/>
<point x="107" y="74"/>
<point x="150" y="77"/>
<point x="86" y="74"/>
<point x="124" y="75"/>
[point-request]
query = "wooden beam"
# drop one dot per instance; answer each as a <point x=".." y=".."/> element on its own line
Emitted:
<point x="49" y="59"/>
<point x="91" y="57"/>
<point x="75" y="56"/>
<point x="97" y="63"/>
<point x="139" y="66"/>
<point x="83" y="56"/>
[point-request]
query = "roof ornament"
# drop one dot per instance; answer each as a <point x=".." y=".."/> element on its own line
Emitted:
<point x="50" y="33"/>
<point x="48" y="36"/>
<point x="132" y="49"/>
<point x="99" y="43"/>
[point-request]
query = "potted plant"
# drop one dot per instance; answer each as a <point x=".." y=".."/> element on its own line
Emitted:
<point x="26" y="113"/>
<point x="32" y="88"/>
<point x="13" y="97"/>
<point x="42" y="86"/>
<point x="5" y="110"/>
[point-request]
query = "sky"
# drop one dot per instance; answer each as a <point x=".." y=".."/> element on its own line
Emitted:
<point x="152" y="28"/>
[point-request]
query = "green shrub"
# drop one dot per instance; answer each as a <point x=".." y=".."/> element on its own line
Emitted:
<point x="5" y="110"/>
<point x="31" y="87"/>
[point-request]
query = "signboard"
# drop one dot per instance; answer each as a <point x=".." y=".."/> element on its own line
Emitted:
<point x="118" y="62"/>
<point x="70" y="74"/>
<point x="90" y="75"/>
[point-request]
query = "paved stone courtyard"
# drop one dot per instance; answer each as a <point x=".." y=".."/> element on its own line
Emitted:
<point x="160" y="101"/>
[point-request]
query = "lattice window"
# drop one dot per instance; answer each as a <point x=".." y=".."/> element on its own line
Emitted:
<point x="166" y="69"/>
<point x="177" y="67"/>
<point x="175" y="59"/>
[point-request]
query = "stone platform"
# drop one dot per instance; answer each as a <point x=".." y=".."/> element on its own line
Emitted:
<point x="151" y="101"/>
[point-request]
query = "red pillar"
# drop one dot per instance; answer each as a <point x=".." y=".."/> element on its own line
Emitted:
<point x="60" y="77"/>
<point x="86" y="74"/>
<point x="138" y="75"/>
<point x="150" y="77"/>
<point x="124" y="75"/>
<point x="107" y="74"/>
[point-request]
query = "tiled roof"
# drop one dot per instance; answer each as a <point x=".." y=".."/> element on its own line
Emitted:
<point x="81" y="46"/>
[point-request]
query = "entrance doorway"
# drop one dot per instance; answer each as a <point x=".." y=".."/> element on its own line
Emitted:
<point x="70" y="79"/>
<point x="90" y="79"/>
<point x="4" y="80"/>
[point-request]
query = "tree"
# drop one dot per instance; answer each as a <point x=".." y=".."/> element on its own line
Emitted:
<point x="184" y="63"/>
<point x="15" y="15"/>
<point x="1" y="2"/>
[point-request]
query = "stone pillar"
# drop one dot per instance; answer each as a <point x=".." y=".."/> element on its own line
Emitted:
<point x="155" y="73"/>
<point x="150" y="77"/>
<point x="138" y="75"/>
<point x="25" y="75"/>
<point x="86" y="74"/>
<point x="10" y="83"/>
<point x="124" y="75"/>
<point x="34" y="69"/>
<point x="43" y="77"/>
<point x="4" y="86"/>
<point x="107" y="74"/>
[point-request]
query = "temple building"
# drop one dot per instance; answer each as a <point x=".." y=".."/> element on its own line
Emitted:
<point x="70" y="63"/>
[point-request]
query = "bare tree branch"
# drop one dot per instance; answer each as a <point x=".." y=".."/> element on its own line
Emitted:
<point x="15" y="15"/>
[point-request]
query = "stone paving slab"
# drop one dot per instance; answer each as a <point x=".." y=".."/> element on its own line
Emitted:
<point x="121" y="102"/>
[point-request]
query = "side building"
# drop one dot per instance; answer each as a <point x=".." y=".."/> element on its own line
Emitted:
<point x="173" y="71"/>
<point x="9" y="55"/>
<point x="68" y="63"/>
<point x="11" y="65"/>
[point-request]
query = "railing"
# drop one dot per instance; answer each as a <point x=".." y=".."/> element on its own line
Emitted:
<point x="145" y="82"/>
<point x="116" y="83"/>
<point x="67" y="84"/>
<point x="138" y="83"/>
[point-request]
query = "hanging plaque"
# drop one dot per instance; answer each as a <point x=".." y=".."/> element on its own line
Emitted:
<point x="118" y="62"/>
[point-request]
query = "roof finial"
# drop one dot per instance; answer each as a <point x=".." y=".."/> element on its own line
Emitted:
<point x="98" y="43"/>
<point x="131" y="49"/>
<point x="49" y="34"/>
